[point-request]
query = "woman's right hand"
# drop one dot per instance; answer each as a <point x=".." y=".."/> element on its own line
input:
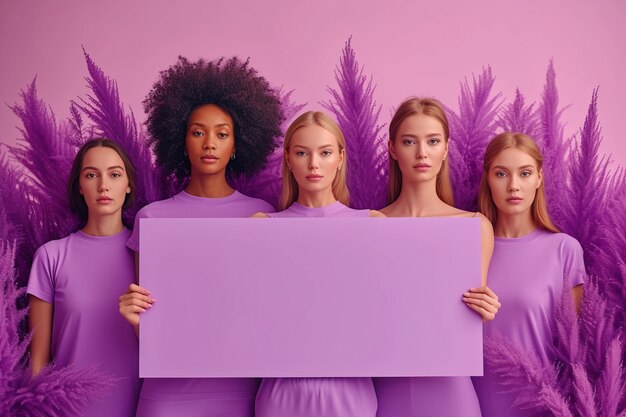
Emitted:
<point x="135" y="301"/>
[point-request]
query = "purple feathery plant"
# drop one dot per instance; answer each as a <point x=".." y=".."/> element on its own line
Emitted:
<point x="104" y="108"/>
<point x="37" y="204"/>
<point x="357" y="114"/>
<point x="267" y="183"/>
<point x="533" y="382"/>
<point x="55" y="392"/>
<point x="518" y="117"/>
<point x="470" y="132"/>
<point x="554" y="146"/>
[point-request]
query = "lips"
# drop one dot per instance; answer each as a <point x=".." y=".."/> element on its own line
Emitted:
<point x="514" y="200"/>
<point x="421" y="166"/>
<point x="104" y="200"/>
<point x="314" y="177"/>
<point x="209" y="158"/>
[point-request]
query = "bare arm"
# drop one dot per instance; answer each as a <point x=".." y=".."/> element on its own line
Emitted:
<point x="40" y="324"/>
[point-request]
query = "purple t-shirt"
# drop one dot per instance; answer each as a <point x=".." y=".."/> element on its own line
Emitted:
<point x="82" y="276"/>
<point x="197" y="396"/>
<point x="528" y="275"/>
<point x="317" y="397"/>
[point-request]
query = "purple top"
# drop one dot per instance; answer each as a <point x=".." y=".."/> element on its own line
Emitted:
<point x="317" y="397"/>
<point x="82" y="276"/>
<point x="528" y="275"/>
<point x="335" y="209"/>
<point x="194" y="396"/>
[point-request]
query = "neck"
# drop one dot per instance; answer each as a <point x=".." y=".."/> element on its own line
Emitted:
<point x="209" y="186"/>
<point x="108" y="225"/>
<point x="316" y="199"/>
<point x="419" y="200"/>
<point x="512" y="226"/>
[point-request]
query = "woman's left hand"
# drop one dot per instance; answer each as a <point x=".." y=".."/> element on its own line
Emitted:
<point x="483" y="301"/>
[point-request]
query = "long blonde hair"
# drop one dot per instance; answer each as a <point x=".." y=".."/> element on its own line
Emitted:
<point x="526" y="144"/>
<point x="412" y="107"/>
<point x="289" y="193"/>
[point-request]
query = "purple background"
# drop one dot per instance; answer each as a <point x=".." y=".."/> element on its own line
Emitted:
<point x="314" y="298"/>
<point x="423" y="48"/>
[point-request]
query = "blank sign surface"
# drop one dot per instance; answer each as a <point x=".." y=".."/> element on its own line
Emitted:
<point x="310" y="297"/>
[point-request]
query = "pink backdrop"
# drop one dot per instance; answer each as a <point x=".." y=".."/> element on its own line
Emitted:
<point x="408" y="47"/>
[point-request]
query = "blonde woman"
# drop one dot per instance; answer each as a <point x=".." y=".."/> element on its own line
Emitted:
<point x="420" y="187"/>
<point x="314" y="185"/>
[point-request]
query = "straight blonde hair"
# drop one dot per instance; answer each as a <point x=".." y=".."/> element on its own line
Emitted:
<point x="412" y="107"/>
<point x="289" y="192"/>
<point x="526" y="144"/>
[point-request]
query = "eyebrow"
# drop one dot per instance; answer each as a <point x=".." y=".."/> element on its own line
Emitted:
<point x="108" y="169"/>
<point x="430" y="135"/>
<point x="522" y="167"/>
<point x="203" y="125"/>
<point x="321" y="147"/>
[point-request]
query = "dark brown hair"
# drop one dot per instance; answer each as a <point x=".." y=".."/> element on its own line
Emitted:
<point x="76" y="199"/>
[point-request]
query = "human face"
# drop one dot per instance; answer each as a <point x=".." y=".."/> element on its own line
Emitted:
<point x="513" y="179"/>
<point x="210" y="140"/>
<point x="420" y="148"/>
<point x="314" y="158"/>
<point x="103" y="182"/>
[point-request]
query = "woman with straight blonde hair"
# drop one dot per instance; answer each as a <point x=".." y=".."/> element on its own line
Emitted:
<point x="314" y="185"/>
<point x="532" y="262"/>
<point x="420" y="187"/>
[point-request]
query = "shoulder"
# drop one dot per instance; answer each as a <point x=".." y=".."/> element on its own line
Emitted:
<point x="566" y="243"/>
<point x="259" y="205"/>
<point x="53" y="248"/>
<point x="259" y="215"/>
<point x="156" y="208"/>
<point x="376" y="213"/>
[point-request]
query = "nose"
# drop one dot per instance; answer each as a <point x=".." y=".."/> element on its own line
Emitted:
<point x="513" y="184"/>
<point x="104" y="184"/>
<point x="421" y="151"/>
<point x="209" y="142"/>
<point x="314" y="162"/>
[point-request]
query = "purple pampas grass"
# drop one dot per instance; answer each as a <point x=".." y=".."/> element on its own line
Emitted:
<point x="470" y="131"/>
<point x="553" y="145"/>
<point x="105" y="110"/>
<point x="357" y="113"/>
<point x="533" y="382"/>
<point x="517" y="117"/>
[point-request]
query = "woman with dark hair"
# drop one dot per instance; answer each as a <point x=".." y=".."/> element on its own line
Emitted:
<point x="73" y="280"/>
<point x="532" y="264"/>
<point x="420" y="187"/>
<point x="208" y="121"/>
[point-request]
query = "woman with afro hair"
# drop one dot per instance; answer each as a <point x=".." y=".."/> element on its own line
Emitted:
<point x="208" y="121"/>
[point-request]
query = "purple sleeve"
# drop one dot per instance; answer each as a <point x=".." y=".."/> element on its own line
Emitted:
<point x="41" y="281"/>
<point x="133" y="240"/>
<point x="573" y="262"/>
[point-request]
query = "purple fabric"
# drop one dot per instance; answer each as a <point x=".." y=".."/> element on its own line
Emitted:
<point x="317" y="397"/>
<point x="426" y="397"/>
<point x="82" y="276"/>
<point x="527" y="273"/>
<point x="335" y="209"/>
<point x="189" y="397"/>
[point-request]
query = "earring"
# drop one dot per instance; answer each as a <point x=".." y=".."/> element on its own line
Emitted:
<point x="232" y="156"/>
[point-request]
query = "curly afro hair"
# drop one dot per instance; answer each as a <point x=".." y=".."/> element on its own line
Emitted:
<point x="230" y="84"/>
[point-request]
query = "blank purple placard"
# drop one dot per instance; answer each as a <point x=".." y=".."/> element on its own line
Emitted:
<point x="310" y="297"/>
